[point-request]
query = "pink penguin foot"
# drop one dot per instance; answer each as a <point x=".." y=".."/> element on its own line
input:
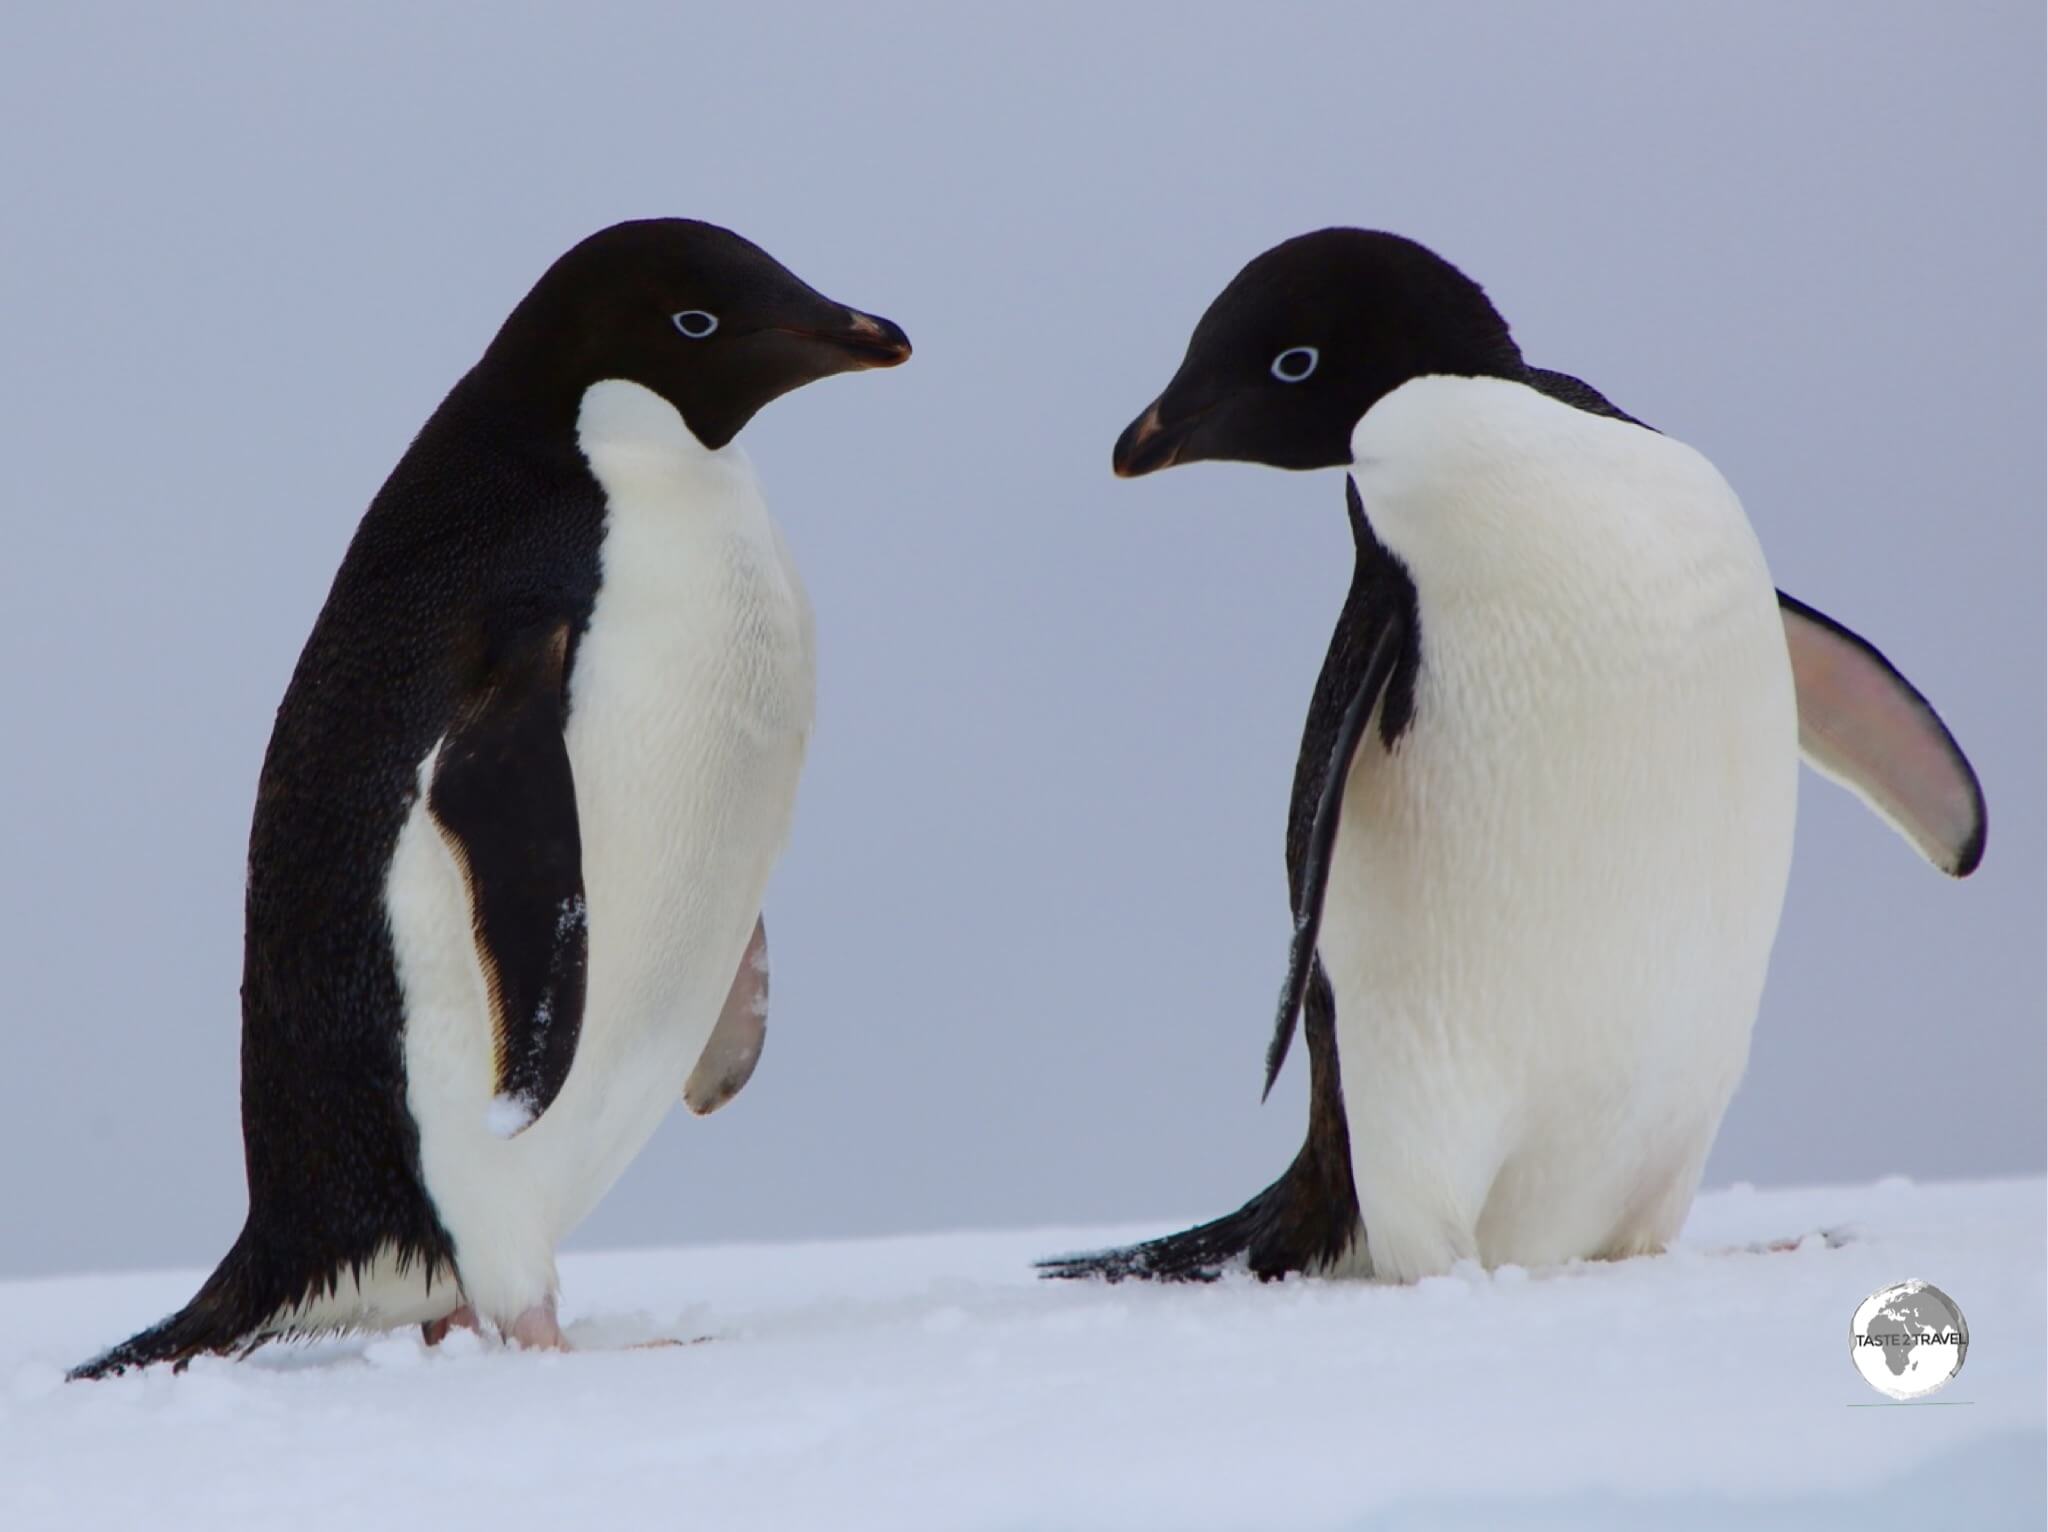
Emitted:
<point x="436" y="1330"/>
<point x="537" y="1329"/>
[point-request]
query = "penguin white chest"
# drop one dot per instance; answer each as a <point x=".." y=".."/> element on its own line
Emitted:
<point x="1552" y="904"/>
<point x="690" y="705"/>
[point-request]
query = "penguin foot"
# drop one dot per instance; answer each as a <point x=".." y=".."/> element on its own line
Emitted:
<point x="436" y="1330"/>
<point x="537" y="1329"/>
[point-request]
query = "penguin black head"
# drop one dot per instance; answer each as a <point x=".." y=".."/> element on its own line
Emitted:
<point x="1304" y="341"/>
<point x="708" y="320"/>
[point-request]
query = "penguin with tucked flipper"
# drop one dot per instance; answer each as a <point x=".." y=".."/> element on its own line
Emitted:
<point x="521" y="802"/>
<point x="1542" y="816"/>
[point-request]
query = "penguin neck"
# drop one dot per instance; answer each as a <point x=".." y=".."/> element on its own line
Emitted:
<point x="1468" y="480"/>
<point x="629" y="435"/>
<point x="625" y="428"/>
<point x="1497" y="496"/>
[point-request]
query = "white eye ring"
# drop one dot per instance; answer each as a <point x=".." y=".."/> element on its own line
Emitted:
<point x="1296" y="363"/>
<point x="695" y="323"/>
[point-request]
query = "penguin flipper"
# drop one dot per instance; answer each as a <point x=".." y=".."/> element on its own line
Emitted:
<point x="1386" y="637"/>
<point x="505" y="801"/>
<point x="728" y="1060"/>
<point x="1308" y="1221"/>
<point x="1861" y="723"/>
<point x="1864" y="725"/>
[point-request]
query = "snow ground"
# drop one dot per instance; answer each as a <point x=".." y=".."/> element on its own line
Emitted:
<point x="932" y="1382"/>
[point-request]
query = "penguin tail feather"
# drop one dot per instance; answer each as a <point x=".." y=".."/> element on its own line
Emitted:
<point x="1307" y="1221"/>
<point x="227" y="1315"/>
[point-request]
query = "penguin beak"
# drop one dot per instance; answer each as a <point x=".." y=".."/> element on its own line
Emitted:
<point x="1150" y="442"/>
<point x="863" y="340"/>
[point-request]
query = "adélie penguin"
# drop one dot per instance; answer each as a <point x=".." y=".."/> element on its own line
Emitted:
<point x="1542" y="817"/>
<point x="521" y="802"/>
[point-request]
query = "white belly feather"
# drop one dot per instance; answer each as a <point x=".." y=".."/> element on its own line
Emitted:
<point x="1550" y="910"/>
<point x="690" y="706"/>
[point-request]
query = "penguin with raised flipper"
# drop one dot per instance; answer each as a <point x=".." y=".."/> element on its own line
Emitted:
<point x="1542" y="816"/>
<point x="521" y="803"/>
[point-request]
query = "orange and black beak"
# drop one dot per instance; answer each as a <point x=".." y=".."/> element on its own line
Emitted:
<point x="864" y="340"/>
<point x="1153" y="441"/>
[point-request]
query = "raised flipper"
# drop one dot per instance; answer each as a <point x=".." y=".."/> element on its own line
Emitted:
<point x="505" y="801"/>
<point x="728" y="1060"/>
<point x="1862" y="724"/>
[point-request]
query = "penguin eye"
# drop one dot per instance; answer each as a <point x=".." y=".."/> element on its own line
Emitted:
<point x="695" y="323"/>
<point x="1296" y="363"/>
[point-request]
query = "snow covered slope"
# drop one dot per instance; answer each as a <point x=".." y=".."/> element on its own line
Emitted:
<point x="932" y="1382"/>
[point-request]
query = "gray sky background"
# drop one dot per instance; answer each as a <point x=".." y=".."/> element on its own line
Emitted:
<point x="1029" y="932"/>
